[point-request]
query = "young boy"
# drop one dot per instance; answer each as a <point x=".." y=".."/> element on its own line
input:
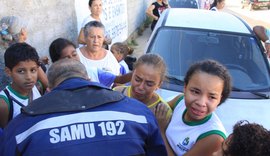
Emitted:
<point x="120" y="52"/>
<point x="21" y="64"/>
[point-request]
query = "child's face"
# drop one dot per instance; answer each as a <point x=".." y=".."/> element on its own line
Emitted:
<point x="69" y="52"/>
<point x="117" y="55"/>
<point x="220" y="5"/>
<point x="145" y="80"/>
<point x="24" y="76"/>
<point x="202" y="95"/>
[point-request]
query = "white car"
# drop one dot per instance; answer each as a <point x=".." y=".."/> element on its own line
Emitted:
<point x="183" y="36"/>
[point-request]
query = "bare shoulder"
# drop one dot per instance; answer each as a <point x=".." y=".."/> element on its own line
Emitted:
<point x="172" y="103"/>
<point x="4" y="112"/>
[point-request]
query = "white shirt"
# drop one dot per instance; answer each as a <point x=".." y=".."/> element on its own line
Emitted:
<point x="108" y="63"/>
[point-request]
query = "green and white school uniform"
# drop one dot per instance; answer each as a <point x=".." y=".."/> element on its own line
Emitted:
<point x="182" y="135"/>
<point x="18" y="97"/>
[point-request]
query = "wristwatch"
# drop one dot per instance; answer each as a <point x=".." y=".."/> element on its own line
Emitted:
<point x="267" y="41"/>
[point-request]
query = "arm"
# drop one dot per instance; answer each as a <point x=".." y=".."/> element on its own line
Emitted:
<point x="42" y="77"/>
<point x="260" y="32"/>
<point x="206" y="146"/>
<point x="149" y="12"/>
<point x="81" y="39"/>
<point x="122" y="79"/>
<point x="4" y="113"/>
<point x="160" y="112"/>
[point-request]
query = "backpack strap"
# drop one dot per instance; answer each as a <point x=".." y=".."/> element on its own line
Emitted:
<point x="10" y="114"/>
<point x="11" y="99"/>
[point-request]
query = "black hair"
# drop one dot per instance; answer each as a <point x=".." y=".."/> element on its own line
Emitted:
<point x="90" y="2"/>
<point x="20" y="52"/>
<point x="248" y="139"/>
<point x="214" y="68"/>
<point x="57" y="46"/>
<point x="214" y="4"/>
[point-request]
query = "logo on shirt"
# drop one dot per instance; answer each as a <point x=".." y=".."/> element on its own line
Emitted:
<point x="185" y="141"/>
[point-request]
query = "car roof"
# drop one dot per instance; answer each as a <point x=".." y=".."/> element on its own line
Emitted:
<point x="205" y="19"/>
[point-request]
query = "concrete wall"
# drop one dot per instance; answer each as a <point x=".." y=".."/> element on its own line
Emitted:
<point x="136" y="13"/>
<point x="50" y="19"/>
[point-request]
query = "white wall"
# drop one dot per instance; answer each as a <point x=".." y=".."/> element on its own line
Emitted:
<point x="50" y="19"/>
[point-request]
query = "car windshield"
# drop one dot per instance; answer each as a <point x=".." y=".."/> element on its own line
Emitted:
<point x="239" y="53"/>
<point x="183" y="3"/>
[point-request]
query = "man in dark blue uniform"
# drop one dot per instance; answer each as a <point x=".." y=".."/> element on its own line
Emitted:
<point x="79" y="117"/>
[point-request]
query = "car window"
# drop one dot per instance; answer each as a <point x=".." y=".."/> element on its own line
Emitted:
<point x="183" y="3"/>
<point x="239" y="53"/>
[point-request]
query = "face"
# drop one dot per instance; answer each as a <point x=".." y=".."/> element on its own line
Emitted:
<point x="95" y="39"/>
<point x="96" y="7"/>
<point x="221" y="5"/>
<point x="117" y="55"/>
<point x="24" y="76"/>
<point x="202" y="95"/>
<point x="69" y="52"/>
<point x="145" y="80"/>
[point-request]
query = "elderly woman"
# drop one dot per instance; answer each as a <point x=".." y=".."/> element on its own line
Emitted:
<point x="93" y="54"/>
<point x="13" y="30"/>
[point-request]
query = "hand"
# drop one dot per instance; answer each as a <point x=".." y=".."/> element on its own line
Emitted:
<point x="160" y="112"/>
<point x="267" y="48"/>
<point x="44" y="60"/>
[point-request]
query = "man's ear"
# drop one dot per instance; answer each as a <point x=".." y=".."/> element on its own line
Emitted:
<point x="8" y="71"/>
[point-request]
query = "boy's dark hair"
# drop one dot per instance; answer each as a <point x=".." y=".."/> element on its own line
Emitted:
<point x="57" y="46"/>
<point x="20" y="52"/>
<point x="214" y="68"/>
<point x="248" y="139"/>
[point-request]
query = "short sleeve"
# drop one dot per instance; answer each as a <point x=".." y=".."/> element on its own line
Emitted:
<point x="106" y="78"/>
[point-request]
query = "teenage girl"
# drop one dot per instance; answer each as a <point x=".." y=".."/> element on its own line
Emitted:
<point x="148" y="74"/>
<point x="194" y="128"/>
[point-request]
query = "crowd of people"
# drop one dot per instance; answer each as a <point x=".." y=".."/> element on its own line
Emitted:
<point x="90" y="101"/>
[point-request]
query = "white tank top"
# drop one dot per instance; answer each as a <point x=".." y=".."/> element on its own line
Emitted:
<point x="22" y="99"/>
